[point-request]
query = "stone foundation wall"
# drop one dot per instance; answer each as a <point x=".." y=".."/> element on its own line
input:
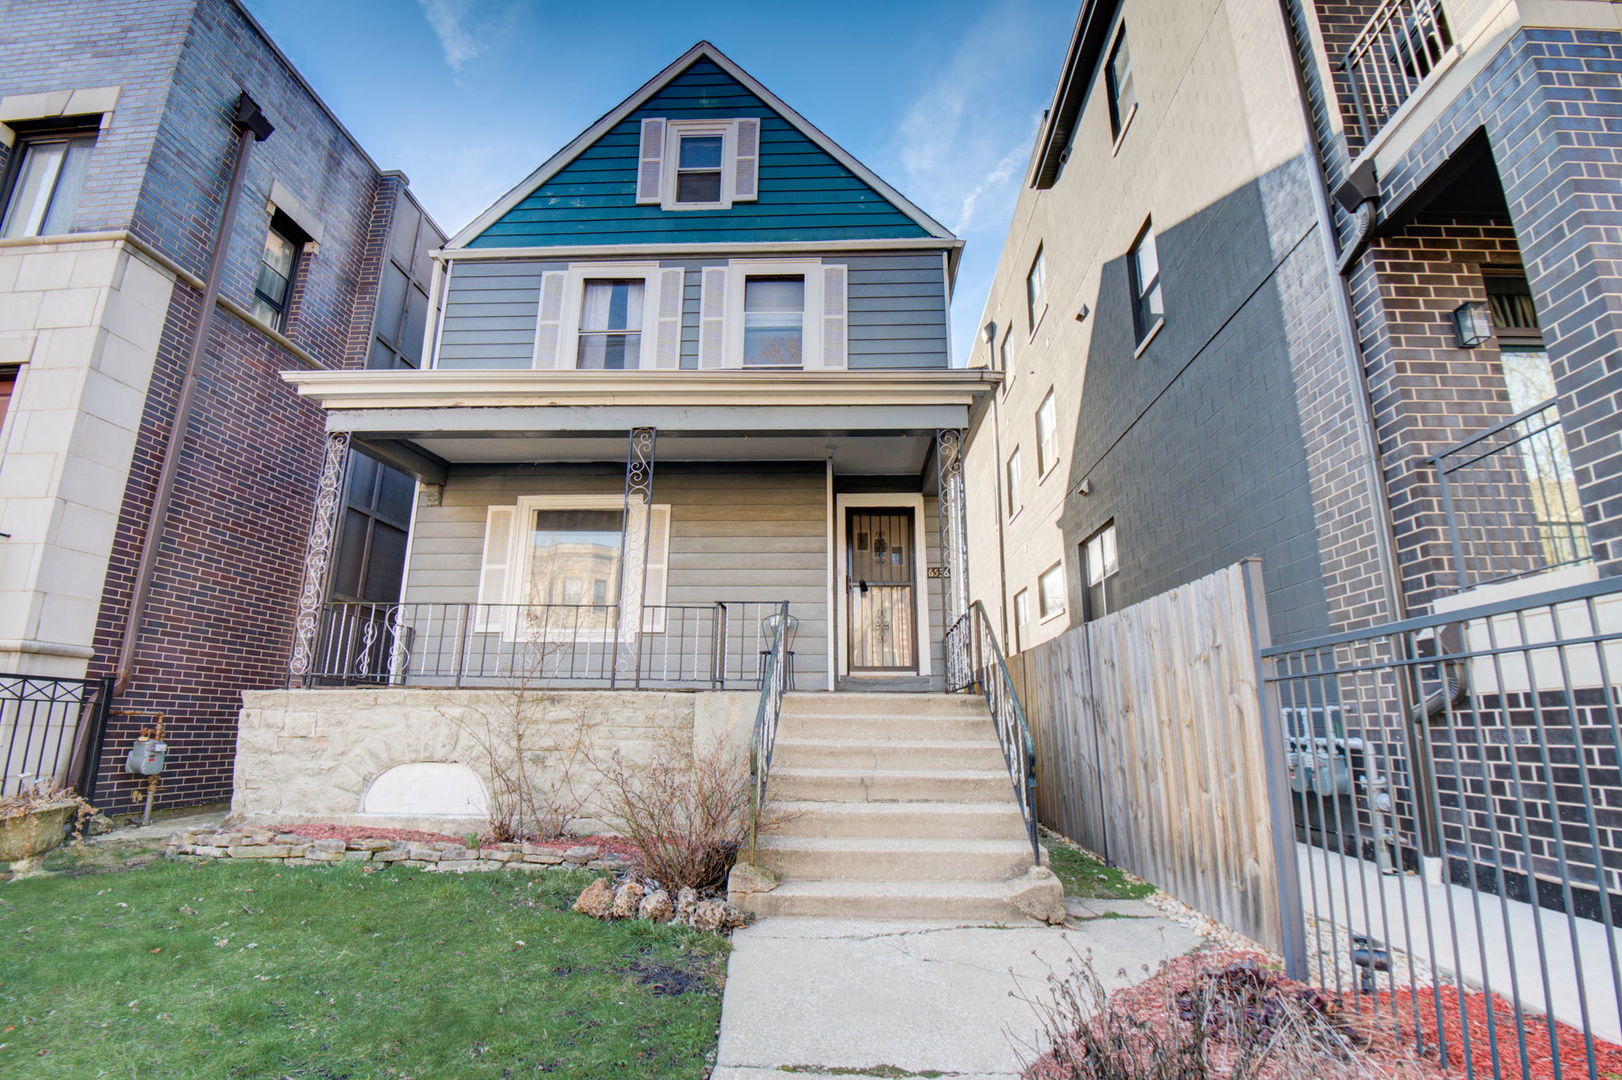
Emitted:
<point x="313" y="755"/>
<point x="263" y="844"/>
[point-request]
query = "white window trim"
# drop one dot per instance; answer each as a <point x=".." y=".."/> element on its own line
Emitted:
<point x="574" y="297"/>
<point x="1044" y="469"/>
<point x="1064" y="600"/>
<point x="518" y="567"/>
<point x="674" y="130"/>
<point x="1013" y="476"/>
<point x="738" y="270"/>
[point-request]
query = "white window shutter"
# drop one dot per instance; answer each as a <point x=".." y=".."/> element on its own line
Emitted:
<point x="496" y="571"/>
<point x="712" y="317"/>
<point x="658" y="570"/>
<point x="650" y="160"/>
<point x="549" y="321"/>
<point x="746" y="164"/>
<point x="667" y="333"/>
<point x="835" y="319"/>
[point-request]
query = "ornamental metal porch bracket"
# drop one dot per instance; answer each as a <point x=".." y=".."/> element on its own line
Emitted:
<point x="636" y="523"/>
<point x="318" y="553"/>
<point x="951" y="516"/>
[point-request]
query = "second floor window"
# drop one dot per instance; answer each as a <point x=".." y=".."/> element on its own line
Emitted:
<point x="1047" y="441"/>
<point x="1050" y="591"/>
<point x="273" y="291"/>
<point x="1005" y="354"/>
<point x="1014" y="502"/>
<point x="1035" y="290"/>
<point x="8" y="387"/>
<point x="1143" y="266"/>
<point x="1123" y="91"/>
<point x="45" y="183"/>
<point x="774" y="321"/>
<point x="1100" y="562"/>
<point x="611" y="324"/>
<point x="1022" y="618"/>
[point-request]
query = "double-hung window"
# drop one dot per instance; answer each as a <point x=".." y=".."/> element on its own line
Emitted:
<point x="1101" y="563"/>
<point x="273" y="289"/>
<point x="610" y="333"/>
<point x="773" y="320"/>
<point x="1123" y="91"/>
<point x="1005" y="355"/>
<point x="1036" y="280"/>
<point x="1050" y="591"/>
<point x="1014" y="498"/>
<point x="1143" y="266"/>
<point x="698" y="164"/>
<point x="47" y="176"/>
<point x="1022" y="618"/>
<point x="1047" y="441"/>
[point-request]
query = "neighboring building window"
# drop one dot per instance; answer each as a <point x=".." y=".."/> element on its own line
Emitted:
<point x="610" y="337"/>
<point x="1514" y="317"/>
<point x="774" y="321"/>
<point x="1143" y="264"/>
<point x="1123" y="92"/>
<point x="1014" y="502"/>
<point x="1101" y="563"/>
<point x="1035" y="287"/>
<point x="8" y="387"/>
<point x="1050" y="591"/>
<point x="1047" y="450"/>
<point x="401" y="318"/>
<point x="46" y="179"/>
<point x="1005" y="355"/>
<point x="273" y="291"/>
<point x="1022" y="618"/>
<point x="370" y="559"/>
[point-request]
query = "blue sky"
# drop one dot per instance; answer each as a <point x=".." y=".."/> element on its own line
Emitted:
<point x="939" y="97"/>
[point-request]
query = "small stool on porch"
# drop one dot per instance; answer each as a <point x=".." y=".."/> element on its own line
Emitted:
<point x="768" y="631"/>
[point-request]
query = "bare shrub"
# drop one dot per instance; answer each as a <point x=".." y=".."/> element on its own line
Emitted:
<point x="1239" y="1021"/>
<point x="534" y="769"/>
<point x="686" y="812"/>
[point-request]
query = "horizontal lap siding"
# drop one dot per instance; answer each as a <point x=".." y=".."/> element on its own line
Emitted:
<point x="897" y="311"/>
<point x="735" y="535"/>
<point x="804" y="192"/>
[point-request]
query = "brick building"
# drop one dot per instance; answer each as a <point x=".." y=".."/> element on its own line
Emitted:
<point x="140" y="346"/>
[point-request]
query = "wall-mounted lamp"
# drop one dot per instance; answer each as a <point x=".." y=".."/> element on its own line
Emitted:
<point x="1472" y="324"/>
<point x="1081" y="316"/>
<point x="1084" y="488"/>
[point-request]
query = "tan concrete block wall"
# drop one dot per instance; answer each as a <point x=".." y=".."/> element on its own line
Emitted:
<point x="82" y="319"/>
<point x="310" y="755"/>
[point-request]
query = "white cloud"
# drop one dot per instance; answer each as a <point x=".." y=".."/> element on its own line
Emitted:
<point x="452" y="23"/>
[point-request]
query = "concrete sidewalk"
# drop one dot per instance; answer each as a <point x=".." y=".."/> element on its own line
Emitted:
<point x="828" y="997"/>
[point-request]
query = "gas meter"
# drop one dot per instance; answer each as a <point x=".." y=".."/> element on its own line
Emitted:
<point x="147" y="757"/>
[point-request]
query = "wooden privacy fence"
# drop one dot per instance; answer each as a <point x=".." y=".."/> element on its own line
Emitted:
<point x="1151" y="751"/>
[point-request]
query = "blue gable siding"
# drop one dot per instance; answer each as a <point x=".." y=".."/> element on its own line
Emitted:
<point x="805" y="193"/>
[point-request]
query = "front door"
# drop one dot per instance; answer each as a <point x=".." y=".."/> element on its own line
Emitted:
<point x="880" y="581"/>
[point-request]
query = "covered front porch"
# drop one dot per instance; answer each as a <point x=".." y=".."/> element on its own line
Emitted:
<point x="651" y="531"/>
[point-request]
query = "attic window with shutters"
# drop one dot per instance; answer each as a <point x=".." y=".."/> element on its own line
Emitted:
<point x="698" y="164"/>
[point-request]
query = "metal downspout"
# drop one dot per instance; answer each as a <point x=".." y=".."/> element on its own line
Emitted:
<point x="252" y="127"/>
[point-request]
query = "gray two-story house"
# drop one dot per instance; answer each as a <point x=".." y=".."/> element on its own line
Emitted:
<point x="687" y="430"/>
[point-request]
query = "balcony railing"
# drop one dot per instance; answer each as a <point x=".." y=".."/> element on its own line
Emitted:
<point x="1510" y="498"/>
<point x="1400" y="45"/>
<point x="696" y="646"/>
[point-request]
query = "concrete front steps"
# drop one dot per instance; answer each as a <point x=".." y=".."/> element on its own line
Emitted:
<point x="895" y="806"/>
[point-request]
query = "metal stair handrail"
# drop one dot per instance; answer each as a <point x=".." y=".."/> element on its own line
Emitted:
<point x="767" y="713"/>
<point x="975" y="662"/>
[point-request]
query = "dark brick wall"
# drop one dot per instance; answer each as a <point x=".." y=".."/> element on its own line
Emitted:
<point x="220" y="613"/>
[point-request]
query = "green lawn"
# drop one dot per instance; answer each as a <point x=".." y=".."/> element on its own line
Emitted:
<point x="1085" y="876"/>
<point x="237" y="970"/>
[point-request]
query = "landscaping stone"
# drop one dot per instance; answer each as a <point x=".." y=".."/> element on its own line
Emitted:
<point x="357" y="856"/>
<point x="502" y="855"/>
<point x="422" y="853"/>
<point x="260" y="851"/>
<point x="747" y="879"/>
<point x="656" y="907"/>
<point x="710" y="916"/>
<point x="328" y="845"/>
<point x="370" y="845"/>
<point x="207" y="851"/>
<point x="543" y="858"/>
<point x="597" y="900"/>
<point x="627" y="900"/>
<point x="581" y="855"/>
<point x="1040" y="894"/>
<point x="392" y="855"/>
<point x="686" y="902"/>
<point x="325" y="856"/>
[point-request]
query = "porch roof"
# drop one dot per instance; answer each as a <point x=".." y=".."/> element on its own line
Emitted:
<point x="425" y="421"/>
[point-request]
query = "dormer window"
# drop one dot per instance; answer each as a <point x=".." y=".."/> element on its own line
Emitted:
<point x="698" y="164"/>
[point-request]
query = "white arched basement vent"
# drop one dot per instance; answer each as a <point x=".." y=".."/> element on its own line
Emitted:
<point x="427" y="789"/>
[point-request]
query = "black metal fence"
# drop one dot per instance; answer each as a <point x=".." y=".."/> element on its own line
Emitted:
<point x="1510" y="498"/>
<point x="718" y="645"/>
<point x="1402" y="42"/>
<point x="50" y="731"/>
<point x="1457" y="793"/>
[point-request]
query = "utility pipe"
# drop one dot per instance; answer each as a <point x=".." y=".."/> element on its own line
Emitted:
<point x="252" y="126"/>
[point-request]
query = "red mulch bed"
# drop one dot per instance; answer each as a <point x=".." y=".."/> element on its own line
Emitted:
<point x="1539" y="1059"/>
<point x="371" y="832"/>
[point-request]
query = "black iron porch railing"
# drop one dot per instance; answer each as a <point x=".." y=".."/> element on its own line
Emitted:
<point x="774" y="677"/>
<point x="1510" y="500"/>
<point x="975" y="662"/>
<point x="1401" y="43"/>
<point x="711" y="646"/>
<point x="50" y="731"/>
